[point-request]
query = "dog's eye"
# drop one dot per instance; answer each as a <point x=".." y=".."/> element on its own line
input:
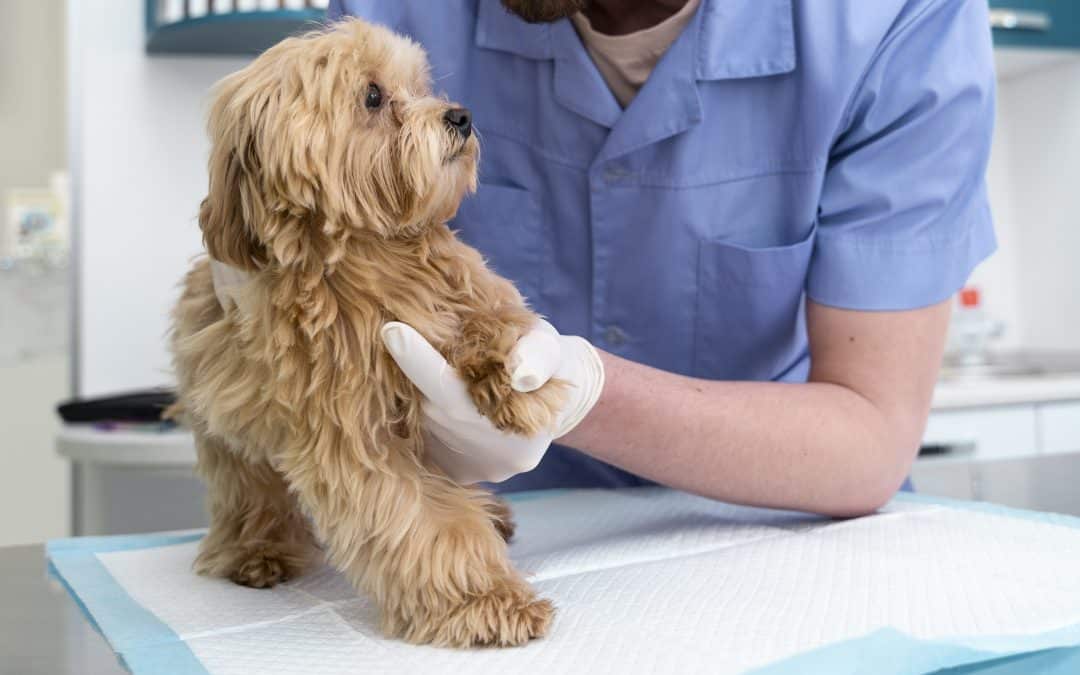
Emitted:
<point x="373" y="100"/>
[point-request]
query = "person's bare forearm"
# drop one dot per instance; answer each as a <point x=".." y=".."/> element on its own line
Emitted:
<point x="816" y="446"/>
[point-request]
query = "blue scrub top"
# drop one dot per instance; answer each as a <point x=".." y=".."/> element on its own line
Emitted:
<point x="781" y="150"/>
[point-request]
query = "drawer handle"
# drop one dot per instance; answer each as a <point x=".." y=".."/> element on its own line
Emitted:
<point x="946" y="450"/>
<point x="1016" y="19"/>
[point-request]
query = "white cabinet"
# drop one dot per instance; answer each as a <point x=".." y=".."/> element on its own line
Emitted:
<point x="132" y="481"/>
<point x="1059" y="427"/>
<point x="1003" y="432"/>
<point x="1025" y="455"/>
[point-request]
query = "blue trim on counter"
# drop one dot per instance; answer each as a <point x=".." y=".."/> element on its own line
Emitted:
<point x="142" y="642"/>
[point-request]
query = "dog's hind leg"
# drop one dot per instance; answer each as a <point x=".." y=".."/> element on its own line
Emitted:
<point x="258" y="537"/>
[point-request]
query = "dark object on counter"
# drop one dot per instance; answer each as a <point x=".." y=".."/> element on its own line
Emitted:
<point x="136" y="406"/>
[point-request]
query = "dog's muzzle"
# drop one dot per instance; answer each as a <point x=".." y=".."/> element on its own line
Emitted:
<point x="460" y="120"/>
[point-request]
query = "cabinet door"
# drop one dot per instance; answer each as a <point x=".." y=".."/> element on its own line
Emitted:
<point x="1036" y="23"/>
<point x="1005" y="432"/>
<point x="1059" y="427"/>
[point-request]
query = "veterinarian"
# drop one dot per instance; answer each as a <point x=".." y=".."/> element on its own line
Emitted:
<point x="754" y="211"/>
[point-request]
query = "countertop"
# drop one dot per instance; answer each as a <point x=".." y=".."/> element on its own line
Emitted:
<point x="86" y="443"/>
<point x="176" y="447"/>
<point x="42" y="630"/>
<point x="952" y="394"/>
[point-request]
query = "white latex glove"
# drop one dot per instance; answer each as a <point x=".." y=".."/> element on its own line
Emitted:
<point x="464" y="443"/>
<point x="228" y="280"/>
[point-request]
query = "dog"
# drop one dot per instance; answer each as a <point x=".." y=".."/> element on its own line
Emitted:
<point x="333" y="172"/>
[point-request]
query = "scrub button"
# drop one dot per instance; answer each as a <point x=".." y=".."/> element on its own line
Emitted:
<point x="615" y="173"/>
<point x="615" y="336"/>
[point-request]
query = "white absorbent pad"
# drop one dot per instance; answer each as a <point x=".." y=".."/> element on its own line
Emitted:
<point x="645" y="580"/>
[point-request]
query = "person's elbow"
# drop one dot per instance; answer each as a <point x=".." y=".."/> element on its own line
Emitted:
<point x="863" y="500"/>
<point x="877" y="476"/>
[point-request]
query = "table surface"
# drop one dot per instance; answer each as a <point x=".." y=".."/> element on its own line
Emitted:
<point x="42" y="630"/>
<point x="995" y="391"/>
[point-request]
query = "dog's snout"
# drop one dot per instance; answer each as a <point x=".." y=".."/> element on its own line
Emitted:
<point x="460" y="120"/>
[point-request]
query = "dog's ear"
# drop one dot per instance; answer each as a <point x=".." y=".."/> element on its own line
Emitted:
<point x="261" y="208"/>
<point x="226" y="232"/>
<point x="230" y="214"/>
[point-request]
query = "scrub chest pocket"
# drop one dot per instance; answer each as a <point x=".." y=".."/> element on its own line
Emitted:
<point x="750" y="314"/>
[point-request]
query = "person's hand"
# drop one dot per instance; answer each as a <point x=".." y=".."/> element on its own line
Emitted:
<point x="464" y="443"/>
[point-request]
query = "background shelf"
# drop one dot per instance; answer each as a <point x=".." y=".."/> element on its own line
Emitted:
<point x="235" y="32"/>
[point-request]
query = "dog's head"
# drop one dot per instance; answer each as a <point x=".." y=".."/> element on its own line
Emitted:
<point x="327" y="135"/>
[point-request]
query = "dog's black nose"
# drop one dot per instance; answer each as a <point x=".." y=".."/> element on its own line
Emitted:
<point x="460" y="120"/>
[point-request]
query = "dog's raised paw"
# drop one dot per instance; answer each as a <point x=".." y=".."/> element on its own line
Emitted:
<point x="482" y="358"/>
<point x="518" y="412"/>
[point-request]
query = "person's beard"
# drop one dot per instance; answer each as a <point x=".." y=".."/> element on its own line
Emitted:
<point x="544" y="11"/>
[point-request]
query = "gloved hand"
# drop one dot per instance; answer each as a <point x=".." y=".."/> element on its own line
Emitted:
<point x="464" y="443"/>
<point x="228" y="281"/>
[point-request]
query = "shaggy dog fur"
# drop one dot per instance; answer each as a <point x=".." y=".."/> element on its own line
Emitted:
<point x="307" y="431"/>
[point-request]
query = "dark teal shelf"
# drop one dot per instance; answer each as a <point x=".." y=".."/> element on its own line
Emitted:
<point x="1063" y="31"/>
<point x="233" y="33"/>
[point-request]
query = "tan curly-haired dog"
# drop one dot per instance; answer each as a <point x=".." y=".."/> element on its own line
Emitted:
<point x="333" y="172"/>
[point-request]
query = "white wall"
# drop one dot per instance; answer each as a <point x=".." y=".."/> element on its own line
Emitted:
<point x="996" y="277"/>
<point x="34" y="497"/>
<point x="1033" y="282"/>
<point x="1042" y="109"/>
<point x="31" y="93"/>
<point x="140" y="177"/>
<point x="33" y="483"/>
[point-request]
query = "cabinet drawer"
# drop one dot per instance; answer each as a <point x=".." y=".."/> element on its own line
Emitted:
<point x="1036" y="23"/>
<point x="995" y="433"/>
<point x="1059" y="427"/>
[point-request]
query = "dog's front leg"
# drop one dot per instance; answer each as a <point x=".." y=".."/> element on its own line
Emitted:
<point x="426" y="549"/>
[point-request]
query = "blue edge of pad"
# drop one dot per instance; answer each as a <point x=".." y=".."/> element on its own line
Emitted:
<point x="144" y="644"/>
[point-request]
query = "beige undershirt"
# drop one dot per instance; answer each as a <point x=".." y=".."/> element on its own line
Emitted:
<point x="625" y="61"/>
